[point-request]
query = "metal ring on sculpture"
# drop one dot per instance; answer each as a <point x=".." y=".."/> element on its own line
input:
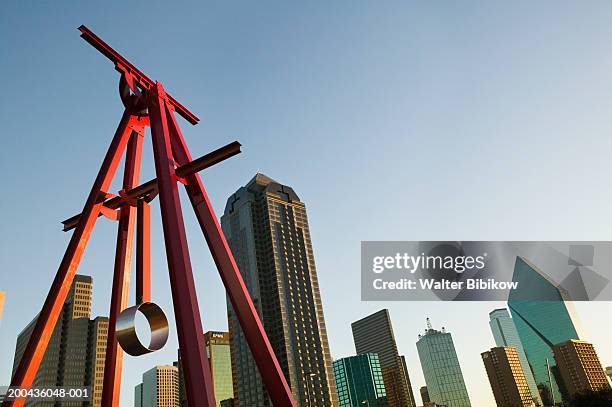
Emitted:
<point x="126" y="329"/>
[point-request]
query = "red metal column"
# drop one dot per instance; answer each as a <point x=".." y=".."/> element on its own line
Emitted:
<point x="258" y="341"/>
<point x="121" y="279"/>
<point x="35" y="350"/>
<point x="143" y="253"/>
<point x="198" y="379"/>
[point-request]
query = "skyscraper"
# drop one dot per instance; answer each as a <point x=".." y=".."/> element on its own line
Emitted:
<point x="424" y="395"/>
<point x="220" y="359"/>
<point x="579" y="367"/>
<point x="505" y="334"/>
<point x="540" y="324"/>
<point x="159" y="388"/>
<point x="507" y="378"/>
<point x="441" y="369"/>
<point x="267" y="229"/>
<point x="609" y="372"/>
<point x="359" y="381"/>
<point x="77" y="348"/>
<point x="374" y="334"/>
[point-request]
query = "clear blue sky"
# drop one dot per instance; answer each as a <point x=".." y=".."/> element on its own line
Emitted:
<point x="396" y="120"/>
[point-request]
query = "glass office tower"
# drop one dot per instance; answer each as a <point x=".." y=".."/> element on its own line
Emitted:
<point x="359" y="381"/>
<point x="266" y="226"/>
<point x="441" y="369"/>
<point x="505" y="334"/>
<point x="540" y="324"/>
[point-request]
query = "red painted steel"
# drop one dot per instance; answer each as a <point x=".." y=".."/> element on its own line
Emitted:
<point x="269" y="368"/>
<point x="35" y="349"/>
<point x="124" y="66"/>
<point x="143" y="253"/>
<point x="111" y="388"/>
<point x="198" y="381"/>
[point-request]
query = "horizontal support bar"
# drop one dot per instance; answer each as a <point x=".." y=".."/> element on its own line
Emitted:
<point x="150" y="187"/>
<point x="140" y="77"/>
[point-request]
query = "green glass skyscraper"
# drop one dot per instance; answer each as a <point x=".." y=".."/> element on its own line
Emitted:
<point x="441" y="369"/>
<point x="359" y="381"/>
<point x="540" y="324"/>
<point x="505" y="334"/>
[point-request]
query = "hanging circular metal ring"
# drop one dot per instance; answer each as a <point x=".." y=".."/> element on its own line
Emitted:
<point x="126" y="329"/>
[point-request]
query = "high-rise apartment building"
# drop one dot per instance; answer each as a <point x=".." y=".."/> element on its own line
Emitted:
<point x="359" y="381"/>
<point x="540" y="324"/>
<point x="159" y="388"/>
<point x="441" y="368"/>
<point x="374" y="334"/>
<point x="220" y="359"/>
<point x="267" y="230"/>
<point x="507" y="378"/>
<point x="506" y="335"/>
<point x="579" y="367"/>
<point x="76" y="352"/>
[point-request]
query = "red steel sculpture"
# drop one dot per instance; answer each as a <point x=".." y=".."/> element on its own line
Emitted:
<point x="148" y="105"/>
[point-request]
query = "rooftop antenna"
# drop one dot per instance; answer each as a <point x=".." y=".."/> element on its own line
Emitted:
<point x="429" y="327"/>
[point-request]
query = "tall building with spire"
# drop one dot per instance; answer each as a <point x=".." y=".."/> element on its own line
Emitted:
<point x="506" y="335"/>
<point x="441" y="369"/>
<point x="267" y="230"/>
<point x="541" y="324"/>
<point x="76" y="352"/>
<point x="374" y="334"/>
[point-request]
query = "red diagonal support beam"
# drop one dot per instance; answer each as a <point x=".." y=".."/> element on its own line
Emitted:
<point x="45" y="323"/>
<point x="269" y="368"/>
<point x="198" y="381"/>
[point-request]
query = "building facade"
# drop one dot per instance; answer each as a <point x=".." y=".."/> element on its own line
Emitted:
<point x="359" y="381"/>
<point x="2" y="297"/>
<point x="76" y="352"/>
<point x="505" y="335"/>
<point x="267" y="230"/>
<point x="424" y="395"/>
<point x="579" y="368"/>
<point x="541" y="325"/>
<point x="507" y="377"/>
<point x="159" y="388"/>
<point x="609" y="372"/>
<point x="374" y="334"/>
<point x="441" y="369"/>
<point x="220" y="360"/>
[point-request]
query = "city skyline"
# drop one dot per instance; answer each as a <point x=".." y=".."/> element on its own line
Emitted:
<point x="282" y="80"/>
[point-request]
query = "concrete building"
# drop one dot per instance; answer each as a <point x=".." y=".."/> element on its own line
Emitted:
<point x="76" y="352"/>
<point x="267" y="230"/>
<point x="507" y="378"/>
<point x="441" y="369"/>
<point x="374" y="334"/>
<point x="359" y="381"/>
<point x="505" y="335"/>
<point x="579" y="368"/>
<point x="159" y="388"/>
<point x="220" y="359"/>
<point x="541" y="324"/>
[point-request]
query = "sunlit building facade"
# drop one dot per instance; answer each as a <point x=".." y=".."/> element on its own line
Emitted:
<point x="579" y="368"/>
<point x="507" y="378"/>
